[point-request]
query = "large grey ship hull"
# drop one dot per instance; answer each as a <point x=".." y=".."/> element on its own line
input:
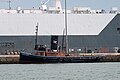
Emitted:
<point x="105" y="41"/>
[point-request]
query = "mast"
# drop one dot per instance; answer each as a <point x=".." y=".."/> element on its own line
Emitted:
<point x="63" y="40"/>
<point x="36" y="39"/>
<point x="66" y="27"/>
<point x="9" y="2"/>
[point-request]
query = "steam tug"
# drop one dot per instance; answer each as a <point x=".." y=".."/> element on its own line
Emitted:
<point x="43" y="55"/>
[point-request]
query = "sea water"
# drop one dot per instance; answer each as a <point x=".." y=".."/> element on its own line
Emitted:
<point x="74" y="71"/>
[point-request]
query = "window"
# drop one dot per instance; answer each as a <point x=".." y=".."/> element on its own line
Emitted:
<point x="118" y="29"/>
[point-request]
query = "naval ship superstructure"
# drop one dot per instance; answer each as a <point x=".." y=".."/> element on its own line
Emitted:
<point x="88" y="30"/>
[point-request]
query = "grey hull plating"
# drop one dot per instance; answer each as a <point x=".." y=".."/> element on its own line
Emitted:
<point x="108" y="38"/>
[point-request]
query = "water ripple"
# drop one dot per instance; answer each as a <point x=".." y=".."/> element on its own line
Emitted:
<point x="81" y="71"/>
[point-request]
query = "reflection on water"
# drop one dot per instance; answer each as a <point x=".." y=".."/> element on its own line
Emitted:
<point x="81" y="71"/>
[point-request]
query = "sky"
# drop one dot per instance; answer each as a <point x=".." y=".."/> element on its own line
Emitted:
<point x="93" y="4"/>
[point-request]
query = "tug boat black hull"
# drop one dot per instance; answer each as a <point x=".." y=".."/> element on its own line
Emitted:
<point x="54" y="54"/>
<point x="27" y="58"/>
